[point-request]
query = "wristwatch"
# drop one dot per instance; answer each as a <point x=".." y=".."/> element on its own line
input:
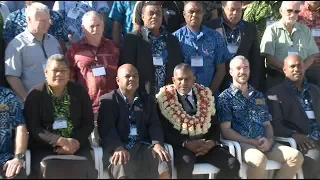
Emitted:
<point x="20" y="156"/>
<point x="185" y="143"/>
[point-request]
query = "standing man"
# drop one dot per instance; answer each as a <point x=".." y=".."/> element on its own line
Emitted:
<point x="244" y="117"/>
<point x="130" y="131"/>
<point x="152" y="50"/>
<point x="193" y="140"/>
<point x="294" y="105"/>
<point x="26" y="55"/>
<point x="203" y="48"/>
<point x="287" y="37"/>
<point x="310" y="16"/>
<point x="94" y="59"/>
<point x="240" y="37"/>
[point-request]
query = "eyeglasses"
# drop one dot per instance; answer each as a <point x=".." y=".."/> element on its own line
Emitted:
<point x="295" y="11"/>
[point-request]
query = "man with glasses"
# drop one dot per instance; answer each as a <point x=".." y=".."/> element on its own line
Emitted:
<point x="27" y="54"/>
<point x="284" y="38"/>
<point x="241" y="38"/>
<point x="203" y="48"/>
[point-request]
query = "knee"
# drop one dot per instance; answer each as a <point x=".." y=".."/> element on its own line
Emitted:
<point x="255" y="158"/>
<point x="234" y="164"/>
<point x="296" y="158"/>
<point x="186" y="163"/>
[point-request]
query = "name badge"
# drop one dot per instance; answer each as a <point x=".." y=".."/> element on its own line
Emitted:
<point x="293" y="52"/>
<point x="315" y="32"/>
<point x="157" y="61"/>
<point x="270" y="22"/>
<point x="98" y="71"/>
<point x="310" y="114"/>
<point x="59" y="124"/>
<point x="73" y="13"/>
<point x="196" y="61"/>
<point x="232" y="48"/>
<point x="133" y="131"/>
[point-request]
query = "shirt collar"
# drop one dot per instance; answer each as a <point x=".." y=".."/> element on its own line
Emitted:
<point x="234" y="90"/>
<point x="280" y="25"/>
<point x="136" y="97"/>
<point x="163" y="32"/>
<point x="239" y="25"/>
<point x="84" y="41"/>
<point x="189" y="93"/>
<point x="31" y="37"/>
<point x="201" y="33"/>
<point x="305" y="84"/>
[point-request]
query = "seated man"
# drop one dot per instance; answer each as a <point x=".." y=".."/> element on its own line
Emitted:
<point x="294" y="105"/>
<point x="195" y="140"/>
<point x="11" y="161"/>
<point x="130" y="131"/>
<point x="244" y="117"/>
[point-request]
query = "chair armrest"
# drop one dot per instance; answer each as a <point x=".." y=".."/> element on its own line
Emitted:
<point x="98" y="153"/>
<point x="170" y="150"/>
<point x="230" y="145"/>
<point x="237" y="148"/>
<point x="94" y="139"/>
<point x="28" y="162"/>
<point x="289" y="140"/>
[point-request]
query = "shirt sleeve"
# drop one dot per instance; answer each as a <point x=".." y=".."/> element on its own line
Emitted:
<point x="72" y="65"/>
<point x="117" y="11"/>
<point x="312" y="46"/>
<point x="137" y="13"/>
<point x="15" y="110"/>
<point x="9" y="28"/>
<point x="13" y="61"/>
<point x="267" y="45"/>
<point x="224" y="109"/>
<point x="223" y="54"/>
<point x="102" y="6"/>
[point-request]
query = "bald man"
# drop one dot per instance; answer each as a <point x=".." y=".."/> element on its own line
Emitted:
<point x="94" y="60"/>
<point x="295" y="107"/>
<point x="244" y="117"/>
<point x="286" y="37"/>
<point x="130" y="131"/>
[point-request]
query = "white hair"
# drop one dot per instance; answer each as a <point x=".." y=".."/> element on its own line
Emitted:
<point x="91" y="14"/>
<point x="37" y="7"/>
<point x="237" y="58"/>
<point x="285" y="3"/>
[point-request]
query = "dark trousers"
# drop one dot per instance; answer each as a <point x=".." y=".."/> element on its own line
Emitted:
<point x="311" y="163"/>
<point x="218" y="156"/>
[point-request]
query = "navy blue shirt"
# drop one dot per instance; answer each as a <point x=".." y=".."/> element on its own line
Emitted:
<point x="247" y="116"/>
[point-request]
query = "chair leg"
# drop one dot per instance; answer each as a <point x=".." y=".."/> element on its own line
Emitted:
<point x="211" y="175"/>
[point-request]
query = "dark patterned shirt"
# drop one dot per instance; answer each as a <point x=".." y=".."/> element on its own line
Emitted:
<point x="247" y="116"/>
<point x="16" y="23"/>
<point x="305" y="101"/>
<point x="10" y="117"/>
<point x="159" y="49"/>
<point x="210" y="45"/>
<point x="61" y="106"/>
<point x="232" y="36"/>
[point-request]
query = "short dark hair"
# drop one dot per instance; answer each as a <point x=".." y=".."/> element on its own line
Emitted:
<point x="183" y="67"/>
<point x="149" y="3"/>
<point x="57" y="57"/>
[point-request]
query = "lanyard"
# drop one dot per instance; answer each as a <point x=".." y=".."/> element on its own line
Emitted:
<point x="43" y="49"/>
<point x="95" y="54"/>
<point x="226" y="38"/>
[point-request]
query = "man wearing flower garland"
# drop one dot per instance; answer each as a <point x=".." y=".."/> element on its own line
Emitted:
<point x="186" y="115"/>
<point x="130" y="131"/>
<point x="244" y="117"/>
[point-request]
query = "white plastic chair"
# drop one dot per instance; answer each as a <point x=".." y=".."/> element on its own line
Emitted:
<point x="206" y="168"/>
<point x="97" y="154"/>
<point x="271" y="165"/>
<point x="27" y="163"/>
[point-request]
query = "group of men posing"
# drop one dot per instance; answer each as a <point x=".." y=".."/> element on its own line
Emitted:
<point x="161" y="99"/>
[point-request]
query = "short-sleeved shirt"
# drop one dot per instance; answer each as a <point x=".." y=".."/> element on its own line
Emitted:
<point x="210" y="45"/>
<point x="10" y="117"/>
<point x="173" y="9"/>
<point x="81" y="56"/>
<point x="73" y="26"/>
<point x="121" y="12"/>
<point x="17" y="23"/>
<point x="277" y="41"/>
<point x="25" y="58"/>
<point x="247" y="116"/>
<point x="310" y="19"/>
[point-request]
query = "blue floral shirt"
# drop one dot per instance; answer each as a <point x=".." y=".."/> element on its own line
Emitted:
<point x="247" y="116"/>
<point x="305" y="101"/>
<point x="10" y="117"/>
<point x="16" y="23"/>
<point x="210" y="45"/>
<point x="232" y="36"/>
<point x="73" y="26"/>
<point x="159" y="49"/>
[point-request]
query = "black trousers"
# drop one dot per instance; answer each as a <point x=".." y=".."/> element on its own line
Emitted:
<point x="218" y="156"/>
<point x="311" y="163"/>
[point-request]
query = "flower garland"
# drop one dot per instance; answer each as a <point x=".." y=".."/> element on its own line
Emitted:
<point x="174" y="112"/>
